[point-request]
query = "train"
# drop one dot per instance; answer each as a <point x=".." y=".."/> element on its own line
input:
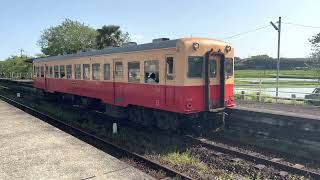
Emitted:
<point x="159" y="83"/>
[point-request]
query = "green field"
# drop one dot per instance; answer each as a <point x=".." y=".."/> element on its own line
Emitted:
<point x="301" y="74"/>
<point x="306" y="74"/>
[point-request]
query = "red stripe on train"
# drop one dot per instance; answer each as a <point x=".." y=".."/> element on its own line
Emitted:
<point x="180" y="99"/>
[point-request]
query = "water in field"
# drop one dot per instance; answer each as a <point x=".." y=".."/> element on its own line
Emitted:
<point x="300" y="92"/>
<point x="274" y="79"/>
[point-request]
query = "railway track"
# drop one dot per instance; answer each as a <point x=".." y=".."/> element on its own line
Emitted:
<point x="251" y="157"/>
<point x="102" y="144"/>
<point x="255" y="158"/>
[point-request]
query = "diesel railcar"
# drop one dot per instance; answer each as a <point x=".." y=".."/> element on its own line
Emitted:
<point x="147" y="82"/>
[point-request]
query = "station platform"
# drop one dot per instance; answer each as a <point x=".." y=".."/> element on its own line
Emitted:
<point x="33" y="149"/>
<point x="302" y="111"/>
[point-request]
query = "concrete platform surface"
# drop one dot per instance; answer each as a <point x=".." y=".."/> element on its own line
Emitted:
<point x="33" y="149"/>
<point x="303" y="111"/>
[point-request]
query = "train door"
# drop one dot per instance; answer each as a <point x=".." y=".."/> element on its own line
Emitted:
<point x="118" y="76"/>
<point x="214" y="81"/>
<point x="169" y="81"/>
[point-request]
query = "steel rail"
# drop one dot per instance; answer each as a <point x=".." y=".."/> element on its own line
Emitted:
<point x="149" y="163"/>
<point x="254" y="158"/>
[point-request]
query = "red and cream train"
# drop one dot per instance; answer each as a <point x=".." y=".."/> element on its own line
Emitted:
<point x="182" y="76"/>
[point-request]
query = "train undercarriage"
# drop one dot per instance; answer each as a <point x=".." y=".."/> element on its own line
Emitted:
<point x="147" y="117"/>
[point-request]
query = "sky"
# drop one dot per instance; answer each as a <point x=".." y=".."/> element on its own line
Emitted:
<point x="21" y="22"/>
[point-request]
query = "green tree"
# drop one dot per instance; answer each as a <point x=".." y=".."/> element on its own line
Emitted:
<point x="111" y="36"/>
<point x="314" y="62"/>
<point x="17" y="65"/>
<point x="66" y="38"/>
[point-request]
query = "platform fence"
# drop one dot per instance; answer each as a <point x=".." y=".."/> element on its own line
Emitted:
<point x="287" y="97"/>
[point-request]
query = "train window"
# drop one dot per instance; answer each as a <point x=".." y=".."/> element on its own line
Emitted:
<point x="56" y="71"/>
<point x="195" y="66"/>
<point x="42" y="71"/>
<point x="106" y="72"/>
<point x="134" y="72"/>
<point x="34" y="70"/>
<point x="51" y="72"/>
<point x="169" y="67"/>
<point x="69" y="71"/>
<point x="96" y="71"/>
<point x="77" y="69"/>
<point x="86" y="71"/>
<point x="151" y="70"/>
<point x="213" y="68"/>
<point x="118" y="69"/>
<point x="62" y="71"/>
<point x="228" y="67"/>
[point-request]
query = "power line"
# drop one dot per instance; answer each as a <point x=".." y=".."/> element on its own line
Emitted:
<point x="301" y="25"/>
<point x="246" y="32"/>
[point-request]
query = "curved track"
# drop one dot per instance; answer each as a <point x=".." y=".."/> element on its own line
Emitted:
<point x="98" y="142"/>
<point x="202" y="142"/>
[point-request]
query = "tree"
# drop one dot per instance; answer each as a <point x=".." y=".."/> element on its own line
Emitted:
<point x="17" y="65"/>
<point x="315" y="55"/>
<point x="68" y="37"/>
<point x="111" y="36"/>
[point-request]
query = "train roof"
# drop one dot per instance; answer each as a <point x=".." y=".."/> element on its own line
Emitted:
<point x="111" y="50"/>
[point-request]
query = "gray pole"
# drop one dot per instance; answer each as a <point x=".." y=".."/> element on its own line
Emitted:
<point x="278" y="62"/>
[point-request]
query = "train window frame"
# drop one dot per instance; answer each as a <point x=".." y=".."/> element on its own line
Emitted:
<point x="213" y="75"/>
<point x="134" y="68"/>
<point x="118" y="69"/>
<point x="194" y="76"/>
<point x="169" y="68"/>
<point x="69" y="71"/>
<point x="77" y="71"/>
<point x="228" y="67"/>
<point x="156" y="71"/>
<point x="106" y="76"/>
<point x="50" y="71"/>
<point x="96" y="69"/>
<point x="86" y="71"/>
<point x="56" y="71"/>
<point x="62" y="71"/>
<point x="42" y="73"/>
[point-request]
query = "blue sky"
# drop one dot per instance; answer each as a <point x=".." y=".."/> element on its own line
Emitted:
<point x="23" y="21"/>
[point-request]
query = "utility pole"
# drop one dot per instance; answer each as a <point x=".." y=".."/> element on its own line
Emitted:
<point x="278" y="61"/>
<point x="21" y="51"/>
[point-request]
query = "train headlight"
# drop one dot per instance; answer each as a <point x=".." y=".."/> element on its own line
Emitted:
<point x="196" y="46"/>
<point x="227" y="49"/>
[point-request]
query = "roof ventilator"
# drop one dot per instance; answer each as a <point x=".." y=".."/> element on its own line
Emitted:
<point x="160" y="40"/>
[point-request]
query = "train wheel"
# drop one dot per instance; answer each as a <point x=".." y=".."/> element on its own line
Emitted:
<point x="166" y="121"/>
<point x="135" y="115"/>
<point x="148" y="118"/>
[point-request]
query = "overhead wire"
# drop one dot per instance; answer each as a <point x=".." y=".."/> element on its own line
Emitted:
<point x="246" y="32"/>
<point x="301" y="25"/>
<point x="263" y="27"/>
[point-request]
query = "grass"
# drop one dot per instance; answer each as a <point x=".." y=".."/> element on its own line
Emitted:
<point x="272" y="73"/>
<point x="185" y="159"/>
<point x="303" y="74"/>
